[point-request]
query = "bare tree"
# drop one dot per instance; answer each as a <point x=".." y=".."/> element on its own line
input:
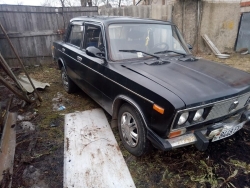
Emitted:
<point x="84" y="3"/>
<point x="119" y="3"/>
<point x="90" y="3"/>
<point x="95" y="2"/>
<point x="69" y="3"/>
<point x="113" y="3"/>
<point x="61" y="3"/>
<point x="19" y="2"/>
<point x="49" y="3"/>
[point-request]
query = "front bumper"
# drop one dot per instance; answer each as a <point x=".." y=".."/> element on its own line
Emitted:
<point x="199" y="138"/>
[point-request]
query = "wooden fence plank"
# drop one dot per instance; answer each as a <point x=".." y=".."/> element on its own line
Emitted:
<point x="33" y="29"/>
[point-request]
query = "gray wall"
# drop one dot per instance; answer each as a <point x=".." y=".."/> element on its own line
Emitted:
<point x="218" y="20"/>
<point x="142" y="11"/>
<point x="32" y="30"/>
<point x="185" y="17"/>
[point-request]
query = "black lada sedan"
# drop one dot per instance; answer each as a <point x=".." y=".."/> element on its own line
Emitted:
<point x="143" y="74"/>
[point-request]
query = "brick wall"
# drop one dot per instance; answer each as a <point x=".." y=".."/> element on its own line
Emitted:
<point x="245" y="6"/>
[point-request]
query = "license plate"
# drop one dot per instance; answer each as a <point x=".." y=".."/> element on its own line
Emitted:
<point x="226" y="132"/>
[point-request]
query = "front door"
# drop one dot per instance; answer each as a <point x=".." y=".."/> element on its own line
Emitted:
<point x="90" y="69"/>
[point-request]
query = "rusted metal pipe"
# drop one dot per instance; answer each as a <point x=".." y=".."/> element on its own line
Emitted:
<point x="14" y="90"/>
<point x="20" y="62"/>
<point x="7" y="69"/>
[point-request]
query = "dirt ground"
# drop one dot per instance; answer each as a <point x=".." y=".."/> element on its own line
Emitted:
<point x="39" y="149"/>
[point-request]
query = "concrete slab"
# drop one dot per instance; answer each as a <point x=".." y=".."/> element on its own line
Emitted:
<point x="92" y="157"/>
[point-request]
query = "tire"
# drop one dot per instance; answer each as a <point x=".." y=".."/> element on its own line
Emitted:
<point x="68" y="85"/>
<point x="134" y="137"/>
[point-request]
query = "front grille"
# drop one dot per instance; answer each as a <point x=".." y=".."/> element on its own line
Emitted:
<point x="222" y="108"/>
<point x="219" y="110"/>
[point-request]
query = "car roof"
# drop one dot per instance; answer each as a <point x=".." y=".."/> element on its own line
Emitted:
<point x="117" y="19"/>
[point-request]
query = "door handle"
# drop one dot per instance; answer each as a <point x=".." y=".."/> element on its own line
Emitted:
<point x="79" y="58"/>
<point x="63" y="49"/>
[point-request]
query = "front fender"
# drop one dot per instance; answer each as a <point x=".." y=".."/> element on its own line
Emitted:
<point x="119" y="100"/>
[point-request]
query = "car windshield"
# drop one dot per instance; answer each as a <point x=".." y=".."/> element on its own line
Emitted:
<point x="127" y="40"/>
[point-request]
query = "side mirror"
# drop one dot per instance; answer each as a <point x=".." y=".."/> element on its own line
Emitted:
<point x="95" y="52"/>
<point x="189" y="47"/>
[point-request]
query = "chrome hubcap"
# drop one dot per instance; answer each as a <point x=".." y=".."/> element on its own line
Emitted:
<point x="129" y="129"/>
<point x="65" y="81"/>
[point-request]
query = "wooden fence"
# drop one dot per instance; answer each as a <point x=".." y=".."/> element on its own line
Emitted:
<point x="32" y="30"/>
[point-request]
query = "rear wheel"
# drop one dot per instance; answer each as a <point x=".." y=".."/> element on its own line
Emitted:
<point x="133" y="131"/>
<point x="68" y="85"/>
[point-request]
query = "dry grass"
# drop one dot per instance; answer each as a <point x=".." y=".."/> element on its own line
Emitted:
<point x="224" y="164"/>
<point x="238" y="61"/>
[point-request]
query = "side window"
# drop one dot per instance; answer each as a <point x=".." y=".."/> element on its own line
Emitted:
<point x="75" y="36"/>
<point x="93" y="37"/>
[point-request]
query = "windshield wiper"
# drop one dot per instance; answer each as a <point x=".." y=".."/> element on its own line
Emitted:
<point x="166" y="51"/>
<point x="134" y="51"/>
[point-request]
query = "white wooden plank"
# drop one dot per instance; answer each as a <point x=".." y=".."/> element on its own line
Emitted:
<point x="7" y="147"/>
<point x="211" y="45"/>
<point x="92" y="157"/>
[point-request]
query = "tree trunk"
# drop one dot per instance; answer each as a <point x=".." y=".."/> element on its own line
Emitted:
<point x="62" y="3"/>
<point x="147" y="2"/>
<point x="84" y="3"/>
<point x="90" y="3"/>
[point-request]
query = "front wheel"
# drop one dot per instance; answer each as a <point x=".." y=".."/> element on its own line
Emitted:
<point x="133" y="131"/>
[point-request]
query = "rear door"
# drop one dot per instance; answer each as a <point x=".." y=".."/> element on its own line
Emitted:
<point x="71" y="48"/>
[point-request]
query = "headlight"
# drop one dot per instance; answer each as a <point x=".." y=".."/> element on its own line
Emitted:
<point x="183" y="118"/>
<point x="198" y="114"/>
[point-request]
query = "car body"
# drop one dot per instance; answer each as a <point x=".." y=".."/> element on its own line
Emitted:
<point x="143" y="74"/>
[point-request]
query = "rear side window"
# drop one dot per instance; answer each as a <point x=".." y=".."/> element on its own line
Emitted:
<point x="75" y="36"/>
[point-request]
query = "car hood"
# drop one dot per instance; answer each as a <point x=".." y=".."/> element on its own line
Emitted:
<point x="199" y="81"/>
